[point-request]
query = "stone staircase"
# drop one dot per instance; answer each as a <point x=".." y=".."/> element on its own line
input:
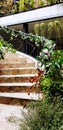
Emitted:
<point x="16" y="72"/>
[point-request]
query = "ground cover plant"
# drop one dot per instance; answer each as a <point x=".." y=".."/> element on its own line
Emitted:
<point x="44" y="115"/>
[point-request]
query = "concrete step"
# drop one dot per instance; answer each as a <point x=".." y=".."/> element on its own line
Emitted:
<point x="16" y="78"/>
<point x="18" y="71"/>
<point x="27" y="96"/>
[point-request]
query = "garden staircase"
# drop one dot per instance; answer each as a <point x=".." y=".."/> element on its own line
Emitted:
<point x="16" y="73"/>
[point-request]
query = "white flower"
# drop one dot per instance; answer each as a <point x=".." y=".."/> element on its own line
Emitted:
<point x="45" y="50"/>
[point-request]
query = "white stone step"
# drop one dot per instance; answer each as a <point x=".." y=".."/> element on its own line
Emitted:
<point x="17" y="84"/>
<point x="23" y="75"/>
<point x="27" y="68"/>
<point x="30" y="96"/>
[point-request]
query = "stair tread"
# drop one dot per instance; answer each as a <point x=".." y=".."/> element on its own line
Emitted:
<point x="11" y="62"/>
<point x="18" y="75"/>
<point x="32" y="68"/>
<point x="18" y="84"/>
<point x="17" y="65"/>
<point x="28" y="96"/>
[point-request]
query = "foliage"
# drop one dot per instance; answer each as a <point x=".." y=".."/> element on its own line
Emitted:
<point x="41" y="3"/>
<point x="51" y="61"/>
<point x="46" y="83"/>
<point x="43" y="29"/>
<point x="31" y="37"/>
<point x="5" y="6"/>
<point x="14" y="9"/>
<point x="50" y="29"/>
<point x="36" y="28"/>
<point x="52" y="88"/>
<point x="1" y="54"/>
<point x="47" y="30"/>
<point x="4" y="45"/>
<point x="25" y="4"/>
<point x="62" y="26"/>
<point x="50" y="2"/>
<point x="46" y="52"/>
<point x="31" y="3"/>
<point x="57" y="27"/>
<point x="43" y="115"/>
<point x="52" y="82"/>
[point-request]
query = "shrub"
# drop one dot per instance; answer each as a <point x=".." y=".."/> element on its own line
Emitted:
<point x="44" y="115"/>
<point x="52" y="88"/>
<point x="52" y="82"/>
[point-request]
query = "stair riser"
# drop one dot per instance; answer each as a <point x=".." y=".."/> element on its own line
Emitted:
<point x="16" y="65"/>
<point x="17" y="71"/>
<point x="15" y="79"/>
<point x="19" y="89"/>
<point x="17" y="102"/>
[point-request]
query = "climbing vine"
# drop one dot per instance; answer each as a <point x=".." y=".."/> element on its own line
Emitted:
<point x="39" y="41"/>
<point x="31" y="37"/>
